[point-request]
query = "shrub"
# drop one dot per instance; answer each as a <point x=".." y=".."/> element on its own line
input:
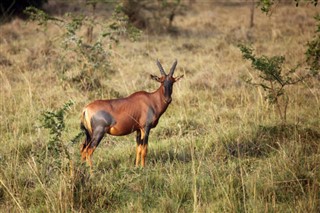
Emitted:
<point x="272" y="78"/>
<point x="153" y="16"/>
<point x="88" y="54"/>
<point x="54" y="121"/>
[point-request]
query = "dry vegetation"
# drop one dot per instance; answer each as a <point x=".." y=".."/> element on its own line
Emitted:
<point x="218" y="148"/>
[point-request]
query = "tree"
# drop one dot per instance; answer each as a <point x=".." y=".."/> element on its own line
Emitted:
<point x="9" y="8"/>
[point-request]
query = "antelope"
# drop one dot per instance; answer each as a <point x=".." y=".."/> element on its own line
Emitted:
<point x="139" y="112"/>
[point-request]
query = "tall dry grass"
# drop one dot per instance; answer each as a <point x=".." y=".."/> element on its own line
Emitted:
<point x="218" y="147"/>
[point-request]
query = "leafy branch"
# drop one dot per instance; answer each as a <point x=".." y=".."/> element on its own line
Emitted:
<point x="272" y="78"/>
<point x="54" y="121"/>
<point x="40" y="16"/>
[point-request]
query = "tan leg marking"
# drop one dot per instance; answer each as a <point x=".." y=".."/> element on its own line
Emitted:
<point x="138" y="153"/>
<point x="144" y="154"/>
<point x="83" y="151"/>
<point x="83" y="155"/>
<point x="142" y="134"/>
<point x="89" y="152"/>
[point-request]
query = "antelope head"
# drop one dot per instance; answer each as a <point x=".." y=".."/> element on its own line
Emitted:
<point x="167" y="80"/>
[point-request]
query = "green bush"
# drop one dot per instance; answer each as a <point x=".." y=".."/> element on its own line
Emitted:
<point x="272" y="78"/>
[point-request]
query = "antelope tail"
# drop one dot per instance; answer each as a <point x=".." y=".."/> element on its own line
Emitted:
<point x="85" y="121"/>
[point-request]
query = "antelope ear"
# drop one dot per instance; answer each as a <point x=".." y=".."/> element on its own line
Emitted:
<point x="156" y="78"/>
<point x="178" y="78"/>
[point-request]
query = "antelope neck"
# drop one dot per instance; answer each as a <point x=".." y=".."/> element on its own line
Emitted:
<point x="162" y="97"/>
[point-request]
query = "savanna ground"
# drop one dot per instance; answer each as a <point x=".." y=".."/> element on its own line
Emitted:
<point x="219" y="147"/>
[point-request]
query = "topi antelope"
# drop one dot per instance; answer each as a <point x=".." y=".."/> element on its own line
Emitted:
<point x="140" y="112"/>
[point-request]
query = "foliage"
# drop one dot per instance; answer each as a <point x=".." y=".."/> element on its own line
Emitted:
<point x="154" y="16"/>
<point x="121" y="25"/>
<point x="266" y="5"/>
<point x="54" y="121"/>
<point x="91" y="56"/>
<point x="271" y="67"/>
<point x="36" y="14"/>
<point x="272" y="78"/>
<point x="313" y="51"/>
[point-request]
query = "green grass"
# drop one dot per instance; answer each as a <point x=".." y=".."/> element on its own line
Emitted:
<point x="219" y="147"/>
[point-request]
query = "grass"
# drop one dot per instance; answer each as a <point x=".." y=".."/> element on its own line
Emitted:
<point x="218" y="148"/>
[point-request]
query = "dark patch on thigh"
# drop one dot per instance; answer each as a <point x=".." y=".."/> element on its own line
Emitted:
<point x="102" y="119"/>
<point x="150" y="116"/>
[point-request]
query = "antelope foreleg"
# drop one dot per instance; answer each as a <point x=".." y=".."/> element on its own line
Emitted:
<point x="138" y="154"/>
<point x="142" y="146"/>
<point x="144" y="150"/>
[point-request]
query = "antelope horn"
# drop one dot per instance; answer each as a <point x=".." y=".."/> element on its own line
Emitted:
<point x="173" y="68"/>
<point x="160" y="68"/>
